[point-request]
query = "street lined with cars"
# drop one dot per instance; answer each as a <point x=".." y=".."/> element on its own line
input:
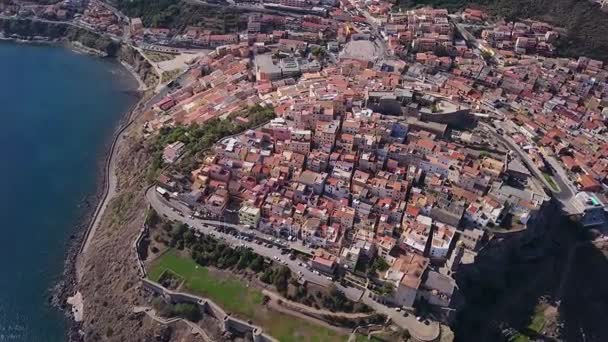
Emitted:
<point x="277" y="250"/>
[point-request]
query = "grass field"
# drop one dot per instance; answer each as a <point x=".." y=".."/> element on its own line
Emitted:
<point x="233" y="296"/>
<point x="536" y="325"/>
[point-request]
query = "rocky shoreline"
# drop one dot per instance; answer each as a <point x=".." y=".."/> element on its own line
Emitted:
<point x="68" y="280"/>
<point x="66" y="285"/>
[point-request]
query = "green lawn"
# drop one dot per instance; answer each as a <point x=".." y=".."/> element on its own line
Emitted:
<point x="538" y="320"/>
<point x="536" y="325"/>
<point x="233" y="296"/>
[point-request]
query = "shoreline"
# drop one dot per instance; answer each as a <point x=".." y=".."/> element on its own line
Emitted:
<point x="90" y="207"/>
<point x="66" y="285"/>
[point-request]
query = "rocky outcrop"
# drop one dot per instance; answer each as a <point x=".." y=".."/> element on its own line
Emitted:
<point x="30" y="29"/>
<point x="139" y="64"/>
<point x="82" y="39"/>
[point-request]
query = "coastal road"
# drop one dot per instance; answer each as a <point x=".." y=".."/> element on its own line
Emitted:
<point x="169" y="207"/>
<point x="178" y="212"/>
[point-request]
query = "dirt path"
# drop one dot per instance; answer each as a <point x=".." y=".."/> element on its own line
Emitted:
<point x="152" y="314"/>
<point x="299" y="307"/>
<point x="280" y="308"/>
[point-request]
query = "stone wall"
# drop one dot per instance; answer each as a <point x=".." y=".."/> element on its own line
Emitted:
<point x="231" y="324"/>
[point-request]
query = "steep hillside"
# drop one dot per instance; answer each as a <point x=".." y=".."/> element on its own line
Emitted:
<point x="178" y="14"/>
<point x="586" y="24"/>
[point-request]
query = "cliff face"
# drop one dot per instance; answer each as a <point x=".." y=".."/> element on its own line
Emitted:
<point x="31" y="29"/>
<point x="139" y="64"/>
<point x="28" y="29"/>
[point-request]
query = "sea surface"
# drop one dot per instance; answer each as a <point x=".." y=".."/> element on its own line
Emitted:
<point x="58" y="110"/>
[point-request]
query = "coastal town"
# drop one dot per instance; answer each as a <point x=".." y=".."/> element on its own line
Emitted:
<point x="370" y="149"/>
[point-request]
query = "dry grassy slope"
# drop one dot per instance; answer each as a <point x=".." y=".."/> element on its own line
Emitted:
<point x="110" y="284"/>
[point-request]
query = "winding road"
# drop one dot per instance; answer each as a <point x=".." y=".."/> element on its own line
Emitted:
<point x="174" y="210"/>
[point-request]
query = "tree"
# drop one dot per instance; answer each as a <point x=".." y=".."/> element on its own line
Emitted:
<point x="386" y="289"/>
<point x="243" y="262"/>
<point x="188" y="311"/>
<point x="319" y="52"/>
<point x="380" y="264"/>
<point x="189" y="238"/>
<point x="257" y="264"/>
<point x="152" y="218"/>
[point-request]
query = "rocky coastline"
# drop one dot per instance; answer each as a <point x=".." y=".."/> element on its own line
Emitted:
<point x="41" y="32"/>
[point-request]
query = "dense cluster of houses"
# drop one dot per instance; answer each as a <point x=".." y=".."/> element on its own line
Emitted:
<point x="357" y="164"/>
<point x="361" y="161"/>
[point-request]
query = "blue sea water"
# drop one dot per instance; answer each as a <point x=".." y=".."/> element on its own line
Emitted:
<point x="58" y="110"/>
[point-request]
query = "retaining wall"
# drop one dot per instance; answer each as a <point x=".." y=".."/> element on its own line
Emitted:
<point x="231" y="324"/>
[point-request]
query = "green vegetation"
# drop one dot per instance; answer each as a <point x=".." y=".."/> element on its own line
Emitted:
<point x="169" y="75"/>
<point x="537" y="323"/>
<point x="158" y="56"/>
<point x="319" y="52"/>
<point x="31" y="28"/>
<point x="279" y="277"/>
<point x="198" y="138"/>
<point x="551" y="181"/>
<point x="188" y="311"/>
<point x="386" y="289"/>
<point x="291" y="329"/>
<point x="120" y="207"/>
<point x="231" y="294"/>
<point x="239" y="299"/>
<point x="177" y="14"/>
<point x="378" y="338"/>
<point x="152" y="217"/>
<point x="584" y="21"/>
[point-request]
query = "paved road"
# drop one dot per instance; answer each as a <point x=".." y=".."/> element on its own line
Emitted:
<point x="166" y="208"/>
<point x="418" y="330"/>
<point x="469" y="38"/>
<point x="565" y="193"/>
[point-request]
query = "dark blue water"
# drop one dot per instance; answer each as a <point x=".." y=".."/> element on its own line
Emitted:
<point x="58" y="110"/>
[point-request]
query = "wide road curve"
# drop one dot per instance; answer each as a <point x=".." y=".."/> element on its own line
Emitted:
<point x="176" y="211"/>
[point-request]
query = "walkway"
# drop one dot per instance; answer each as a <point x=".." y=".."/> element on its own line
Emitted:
<point x="310" y="310"/>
